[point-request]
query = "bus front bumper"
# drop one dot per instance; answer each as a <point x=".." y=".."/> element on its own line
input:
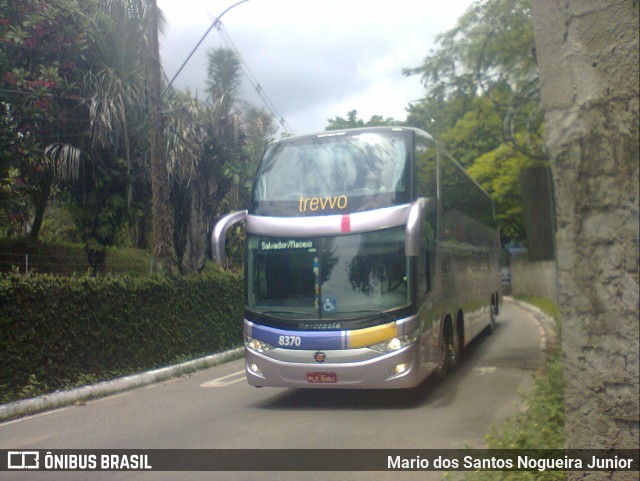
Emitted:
<point x="361" y="368"/>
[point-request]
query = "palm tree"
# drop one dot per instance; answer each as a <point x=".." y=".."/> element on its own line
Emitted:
<point x="225" y="123"/>
<point x="223" y="81"/>
<point x="207" y="150"/>
<point x="186" y="138"/>
<point x="114" y="89"/>
<point x="117" y="82"/>
<point x="62" y="163"/>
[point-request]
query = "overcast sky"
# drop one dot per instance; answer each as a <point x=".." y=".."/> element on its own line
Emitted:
<point x="314" y="59"/>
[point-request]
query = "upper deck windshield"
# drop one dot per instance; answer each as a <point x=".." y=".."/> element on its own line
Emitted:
<point x="338" y="172"/>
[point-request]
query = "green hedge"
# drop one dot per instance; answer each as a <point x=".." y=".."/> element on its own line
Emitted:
<point x="56" y="331"/>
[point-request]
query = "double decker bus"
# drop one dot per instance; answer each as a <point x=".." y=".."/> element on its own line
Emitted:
<point x="371" y="261"/>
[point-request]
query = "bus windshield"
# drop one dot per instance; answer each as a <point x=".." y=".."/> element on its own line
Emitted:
<point x="320" y="278"/>
<point x="333" y="173"/>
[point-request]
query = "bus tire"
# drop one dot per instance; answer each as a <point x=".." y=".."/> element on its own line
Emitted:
<point x="452" y="346"/>
<point x="492" y="321"/>
<point x="493" y="312"/>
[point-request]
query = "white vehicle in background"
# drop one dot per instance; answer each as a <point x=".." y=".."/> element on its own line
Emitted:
<point x="516" y="249"/>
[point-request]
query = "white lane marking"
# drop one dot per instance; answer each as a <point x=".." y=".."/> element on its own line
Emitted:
<point x="481" y="371"/>
<point x="34" y="416"/>
<point x="222" y="381"/>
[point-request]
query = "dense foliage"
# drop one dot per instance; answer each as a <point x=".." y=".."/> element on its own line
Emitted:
<point x="74" y="121"/>
<point x="56" y="331"/>
<point x="352" y="121"/>
<point x="42" y="56"/>
<point x="75" y="124"/>
<point x="482" y="100"/>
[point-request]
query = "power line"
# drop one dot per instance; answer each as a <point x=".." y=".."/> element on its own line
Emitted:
<point x="226" y="38"/>
<point x="252" y="79"/>
<point x="216" y="21"/>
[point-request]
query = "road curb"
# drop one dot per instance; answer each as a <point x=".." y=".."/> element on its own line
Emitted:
<point x="64" y="398"/>
<point x="545" y="322"/>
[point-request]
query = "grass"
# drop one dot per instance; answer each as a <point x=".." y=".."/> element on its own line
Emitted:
<point x="546" y="305"/>
<point x="67" y="258"/>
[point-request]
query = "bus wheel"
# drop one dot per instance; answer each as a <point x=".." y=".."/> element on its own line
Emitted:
<point x="492" y="322"/>
<point x="452" y="348"/>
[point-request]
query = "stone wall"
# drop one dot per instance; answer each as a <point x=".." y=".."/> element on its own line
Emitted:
<point x="587" y="52"/>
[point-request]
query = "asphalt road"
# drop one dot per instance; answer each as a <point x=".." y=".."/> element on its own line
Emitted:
<point x="215" y="408"/>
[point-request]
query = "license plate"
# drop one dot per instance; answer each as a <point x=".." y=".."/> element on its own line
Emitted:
<point x="322" y="377"/>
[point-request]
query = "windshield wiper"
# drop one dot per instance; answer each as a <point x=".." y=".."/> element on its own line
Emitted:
<point x="285" y="316"/>
<point x="362" y="314"/>
<point x="356" y="319"/>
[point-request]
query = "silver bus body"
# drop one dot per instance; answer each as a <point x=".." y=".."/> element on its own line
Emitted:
<point x="376" y="284"/>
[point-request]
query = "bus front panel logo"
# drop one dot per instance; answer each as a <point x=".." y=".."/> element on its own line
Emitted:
<point x="314" y="204"/>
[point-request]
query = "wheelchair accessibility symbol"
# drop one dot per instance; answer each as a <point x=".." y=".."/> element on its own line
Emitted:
<point x="330" y="304"/>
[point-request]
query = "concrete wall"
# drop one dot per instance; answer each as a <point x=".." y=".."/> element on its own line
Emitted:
<point x="533" y="278"/>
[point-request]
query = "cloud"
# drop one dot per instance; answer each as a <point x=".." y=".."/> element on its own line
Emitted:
<point x="314" y="59"/>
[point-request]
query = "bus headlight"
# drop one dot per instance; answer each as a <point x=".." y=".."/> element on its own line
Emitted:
<point x="395" y="343"/>
<point x="400" y="368"/>
<point x="256" y="345"/>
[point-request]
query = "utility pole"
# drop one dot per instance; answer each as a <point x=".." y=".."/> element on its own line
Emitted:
<point x="162" y="214"/>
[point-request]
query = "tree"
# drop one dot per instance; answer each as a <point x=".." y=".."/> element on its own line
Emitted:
<point x="162" y="213"/>
<point x="223" y="80"/>
<point x="74" y="86"/>
<point x="13" y="199"/>
<point x="186" y="137"/>
<point x="588" y="53"/>
<point x="498" y="172"/>
<point x="259" y="131"/>
<point x="352" y="121"/>
<point x="42" y="57"/>
<point x="482" y="101"/>
<point x="113" y="95"/>
<point x="224" y="122"/>
<point x="213" y="147"/>
<point x="491" y="53"/>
